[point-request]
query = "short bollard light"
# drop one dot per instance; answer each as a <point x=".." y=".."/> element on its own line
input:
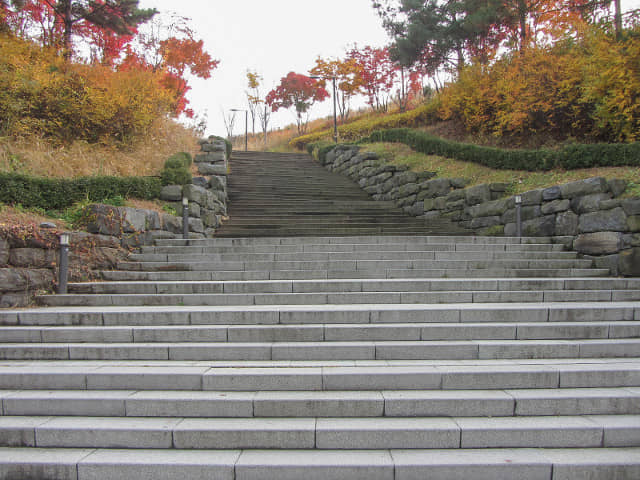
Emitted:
<point x="185" y="218"/>
<point x="63" y="271"/>
<point x="518" y="199"/>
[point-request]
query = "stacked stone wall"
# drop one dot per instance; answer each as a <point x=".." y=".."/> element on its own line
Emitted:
<point x="588" y="216"/>
<point x="29" y="261"/>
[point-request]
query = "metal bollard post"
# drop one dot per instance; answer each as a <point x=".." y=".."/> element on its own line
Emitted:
<point x="518" y="199"/>
<point x="185" y="218"/>
<point x="63" y="271"/>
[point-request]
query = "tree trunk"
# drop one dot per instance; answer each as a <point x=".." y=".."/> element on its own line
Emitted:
<point x="522" y="17"/>
<point x="618" y="19"/>
<point x="67" y="20"/>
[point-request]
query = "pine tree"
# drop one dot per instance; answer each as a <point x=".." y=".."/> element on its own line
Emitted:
<point x="119" y="16"/>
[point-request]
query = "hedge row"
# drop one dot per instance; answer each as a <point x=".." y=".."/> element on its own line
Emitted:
<point x="60" y="193"/>
<point x="570" y="157"/>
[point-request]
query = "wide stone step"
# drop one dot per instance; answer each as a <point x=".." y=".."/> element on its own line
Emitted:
<point x="326" y="314"/>
<point x="322" y="375"/>
<point x="589" y="431"/>
<point x="334" y="298"/>
<point x="322" y="333"/>
<point x="194" y="248"/>
<point x="239" y="275"/>
<point x="355" y="265"/>
<point x="436" y="464"/>
<point x="360" y="240"/>
<point x="404" y="255"/>
<point x="292" y="404"/>
<point x="335" y="350"/>
<point x="567" y="285"/>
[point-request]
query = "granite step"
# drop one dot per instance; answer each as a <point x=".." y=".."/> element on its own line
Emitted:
<point x="310" y="433"/>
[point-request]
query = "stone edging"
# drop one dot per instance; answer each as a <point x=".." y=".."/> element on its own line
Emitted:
<point x="587" y="216"/>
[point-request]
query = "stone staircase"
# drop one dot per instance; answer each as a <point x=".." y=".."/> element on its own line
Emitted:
<point x="370" y="350"/>
<point x="377" y="357"/>
<point x="277" y="194"/>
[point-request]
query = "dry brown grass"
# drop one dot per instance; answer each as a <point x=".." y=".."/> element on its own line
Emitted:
<point x="17" y="216"/>
<point x="36" y="156"/>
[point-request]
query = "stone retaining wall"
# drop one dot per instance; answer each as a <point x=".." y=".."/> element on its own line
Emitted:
<point x="29" y="261"/>
<point x="207" y="205"/>
<point x="587" y="216"/>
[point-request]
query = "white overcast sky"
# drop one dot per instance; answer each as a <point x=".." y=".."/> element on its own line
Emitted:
<point x="272" y="37"/>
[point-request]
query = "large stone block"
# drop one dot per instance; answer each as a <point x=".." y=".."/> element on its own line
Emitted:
<point x="218" y="182"/>
<point x="210" y="157"/>
<point x="588" y="203"/>
<point x="4" y="251"/>
<point x="196" y="225"/>
<point x="133" y="219"/>
<point x="200" y="182"/>
<point x="171" y="223"/>
<point x="438" y="187"/>
<point x="598" y="243"/>
<point x="477" y="194"/>
<point x="630" y="262"/>
<point x="555" y="206"/>
<point x="210" y="219"/>
<point x="482" y="222"/>
<point x="551" y="193"/>
<point x="566" y="223"/>
<point x="455" y="195"/>
<point x="213" y="147"/>
<point x="211" y="169"/>
<point x="540" y="227"/>
<point x="609" y="220"/>
<point x="633" y="223"/>
<point x="617" y="186"/>
<point x="488" y="209"/>
<point x="526" y="213"/>
<point x="532" y="197"/>
<point x="405" y="190"/>
<point x="114" y="221"/>
<point x="584" y="187"/>
<point x="195" y="194"/>
<point x="171" y="193"/>
<point x="16" y="280"/>
<point x="153" y="220"/>
<point x="32" y="257"/>
<point x="631" y="206"/>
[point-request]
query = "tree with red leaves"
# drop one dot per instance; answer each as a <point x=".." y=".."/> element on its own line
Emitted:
<point x="298" y="91"/>
<point x="377" y="75"/>
<point x="169" y="46"/>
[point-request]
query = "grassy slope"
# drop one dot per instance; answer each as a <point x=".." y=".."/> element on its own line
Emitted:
<point x="522" y="181"/>
<point x="35" y="156"/>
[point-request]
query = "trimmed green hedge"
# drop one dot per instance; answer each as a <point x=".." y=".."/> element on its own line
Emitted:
<point x="570" y="157"/>
<point x="60" y="193"/>
<point x="176" y="169"/>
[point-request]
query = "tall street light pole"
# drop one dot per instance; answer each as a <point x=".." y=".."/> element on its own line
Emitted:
<point x="335" y="108"/>
<point x="246" y="127"/>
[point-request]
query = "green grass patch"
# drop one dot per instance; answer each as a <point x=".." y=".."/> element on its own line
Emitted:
<point x="521" y="180"/>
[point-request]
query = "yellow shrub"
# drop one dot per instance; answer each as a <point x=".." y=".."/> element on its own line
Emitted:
<point x="41" y="94"/>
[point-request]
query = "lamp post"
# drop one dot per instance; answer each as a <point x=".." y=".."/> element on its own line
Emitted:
<point x="185" y="218"/>
<point x="64" y="263"/>
<point x="335" y="109"/>
<point x="246" y="126"/>
<point x="518" y="200"/>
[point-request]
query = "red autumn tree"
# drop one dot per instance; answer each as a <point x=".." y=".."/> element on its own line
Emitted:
<point x="298" y="91"/>
<point x="169" y="46"/>
<point x="377" y="74"/>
